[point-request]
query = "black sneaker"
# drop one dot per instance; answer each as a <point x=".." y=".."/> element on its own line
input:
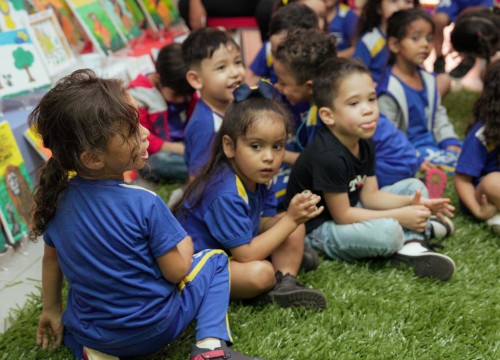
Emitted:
<point x="425" y="261"/>
<point x="221" y="353"/>
<point x="289" y="293"/>
<point x="439" y="65"/>
<point x="463" y="68"/>
<point x="310" y="259"/>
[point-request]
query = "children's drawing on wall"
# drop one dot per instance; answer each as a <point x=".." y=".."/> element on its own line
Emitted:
<point x="136" y="12"/>
<point x="53" y="46"/>
<point x="123" y="17"/>
<point x="16" y="199"/>
<point x="98" y="25"/>
<point x="22" y="70"/>
<point x="163" y="12"/>
<point x="9" y="19"/>
<point x="66" y="19"/>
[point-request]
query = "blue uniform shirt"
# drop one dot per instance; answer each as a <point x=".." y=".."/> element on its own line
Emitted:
<point x="343" y="26"/>
<point x="372" y="50"/>
<point x="107" y="235"/>
<point x="229" y="214"/>
<point x="199" y="134"/>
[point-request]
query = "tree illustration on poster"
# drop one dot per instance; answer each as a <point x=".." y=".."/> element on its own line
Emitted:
<point x="23" y="59"/>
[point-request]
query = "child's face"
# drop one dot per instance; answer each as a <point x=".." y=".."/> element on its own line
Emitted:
<point x="219" y="75"/>
<point x="288" y="86"/>
<point x="389" y="7"/>
<point x="277" y="39"/>
<point x="417" y="44"/>
<point x="355" y="109"/>
<point x="125" y="153"/>
<point x="257" y="156"/>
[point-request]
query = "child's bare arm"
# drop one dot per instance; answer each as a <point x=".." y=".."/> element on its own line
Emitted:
<point x="372" y="198"/>
<point x="175" y="264"/>
<point x="482" y="209"/>
<point x="277" y="229"/>
<point x="290" y="157"/>
<point x="413" y="217"/>
<point x="50" y="328"/>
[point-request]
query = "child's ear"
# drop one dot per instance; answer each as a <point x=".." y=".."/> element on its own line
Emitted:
<point x="194" y="79"/>
<point x="228" y="146"/>
<point x="309" y="84"/>
<point x="326" y="115"/>
<point x="92" y="160"/>
<point x="392" y="44"/>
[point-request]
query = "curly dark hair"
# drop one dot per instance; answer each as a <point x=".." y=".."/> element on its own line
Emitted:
<point x="487" y="107"/>
<point x="81" y="112"/>
<point x="304" y="50"/>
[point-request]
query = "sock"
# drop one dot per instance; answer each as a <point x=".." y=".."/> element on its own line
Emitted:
<point x="208" y="344"/>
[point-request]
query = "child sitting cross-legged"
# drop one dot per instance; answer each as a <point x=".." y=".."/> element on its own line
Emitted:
<point x="359" y="220"/>
<point x="231" y="205"/>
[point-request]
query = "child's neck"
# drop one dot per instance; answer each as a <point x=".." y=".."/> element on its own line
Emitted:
<point x="350" y="142"/>
<point x="408" y="73"/>
<point x="216" y="106"/>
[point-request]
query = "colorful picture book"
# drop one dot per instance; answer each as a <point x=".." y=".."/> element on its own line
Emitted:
<point x="22" y="70"/>
<point x="9" y="17"/>
<point x="99" y="27"/>
<point x="35" y="140"/>
<point x="51" y="42"/>
<point x="16" y="200"/>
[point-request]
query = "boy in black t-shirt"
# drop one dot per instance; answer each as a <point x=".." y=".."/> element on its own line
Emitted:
<point x="359" y="220"/>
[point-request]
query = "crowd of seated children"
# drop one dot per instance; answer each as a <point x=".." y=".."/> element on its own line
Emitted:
<point x="341" y="21"/>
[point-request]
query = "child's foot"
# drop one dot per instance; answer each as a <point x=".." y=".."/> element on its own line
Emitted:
<point x="310" y="259"/>
<point x="222" y="352"/>
<point x="288" y="293"/>
<point x="494" y="222"/>
<point x="441" y="228"/>
<point x="426" y="262"/>
<point x="435" y="181"/>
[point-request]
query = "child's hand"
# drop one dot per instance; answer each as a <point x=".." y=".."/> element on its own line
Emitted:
<point x="454" y="148"/>
<point x="49" y="334"/>
<point x="426" y="165"/>
<point x="303" y="207"/>
<point x="414" y="217"/>
<point x="440" y="207"/>
<point x="486" y="209"/>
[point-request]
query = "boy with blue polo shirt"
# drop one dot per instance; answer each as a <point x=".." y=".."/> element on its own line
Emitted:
<point x="215" y="69"/>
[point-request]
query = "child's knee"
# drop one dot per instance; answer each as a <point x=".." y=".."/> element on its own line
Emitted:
<point x="394" y="235"/>
<point x="261" y="275"/>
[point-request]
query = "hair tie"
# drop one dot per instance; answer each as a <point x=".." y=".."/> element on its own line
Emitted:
<point x="263" y="89"/>
<point x="284" y="2"/>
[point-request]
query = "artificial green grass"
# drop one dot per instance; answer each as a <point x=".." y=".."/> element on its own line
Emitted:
<point x="374" y="311"/>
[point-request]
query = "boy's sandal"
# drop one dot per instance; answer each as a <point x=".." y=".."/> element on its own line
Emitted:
<point x="435" y="181"/>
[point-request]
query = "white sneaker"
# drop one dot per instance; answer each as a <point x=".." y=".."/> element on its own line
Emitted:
<point x="426" y="262"/>
<point x="494" y="222"/>
<point x="441" y="229"/>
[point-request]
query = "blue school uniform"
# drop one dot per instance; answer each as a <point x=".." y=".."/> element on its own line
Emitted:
<point x="343" y="26"/>
<point x="262" y="65"/>
<point x="229" y="214"/>
<point x="199" y="134"/>
<point x="453" y="8"/>
<point x="372" y="50"/>
<point x="477" y="159"/>
<point x="108" y="235"/>
<point x="420" y="115"/>
<point x="396" y="158"/>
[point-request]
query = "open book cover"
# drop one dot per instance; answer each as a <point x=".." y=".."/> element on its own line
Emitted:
<point x="16" y="200"/>
<point x="35" y="140"/>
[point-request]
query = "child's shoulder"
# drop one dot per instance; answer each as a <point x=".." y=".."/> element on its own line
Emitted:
<point x="203" y="117"/>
